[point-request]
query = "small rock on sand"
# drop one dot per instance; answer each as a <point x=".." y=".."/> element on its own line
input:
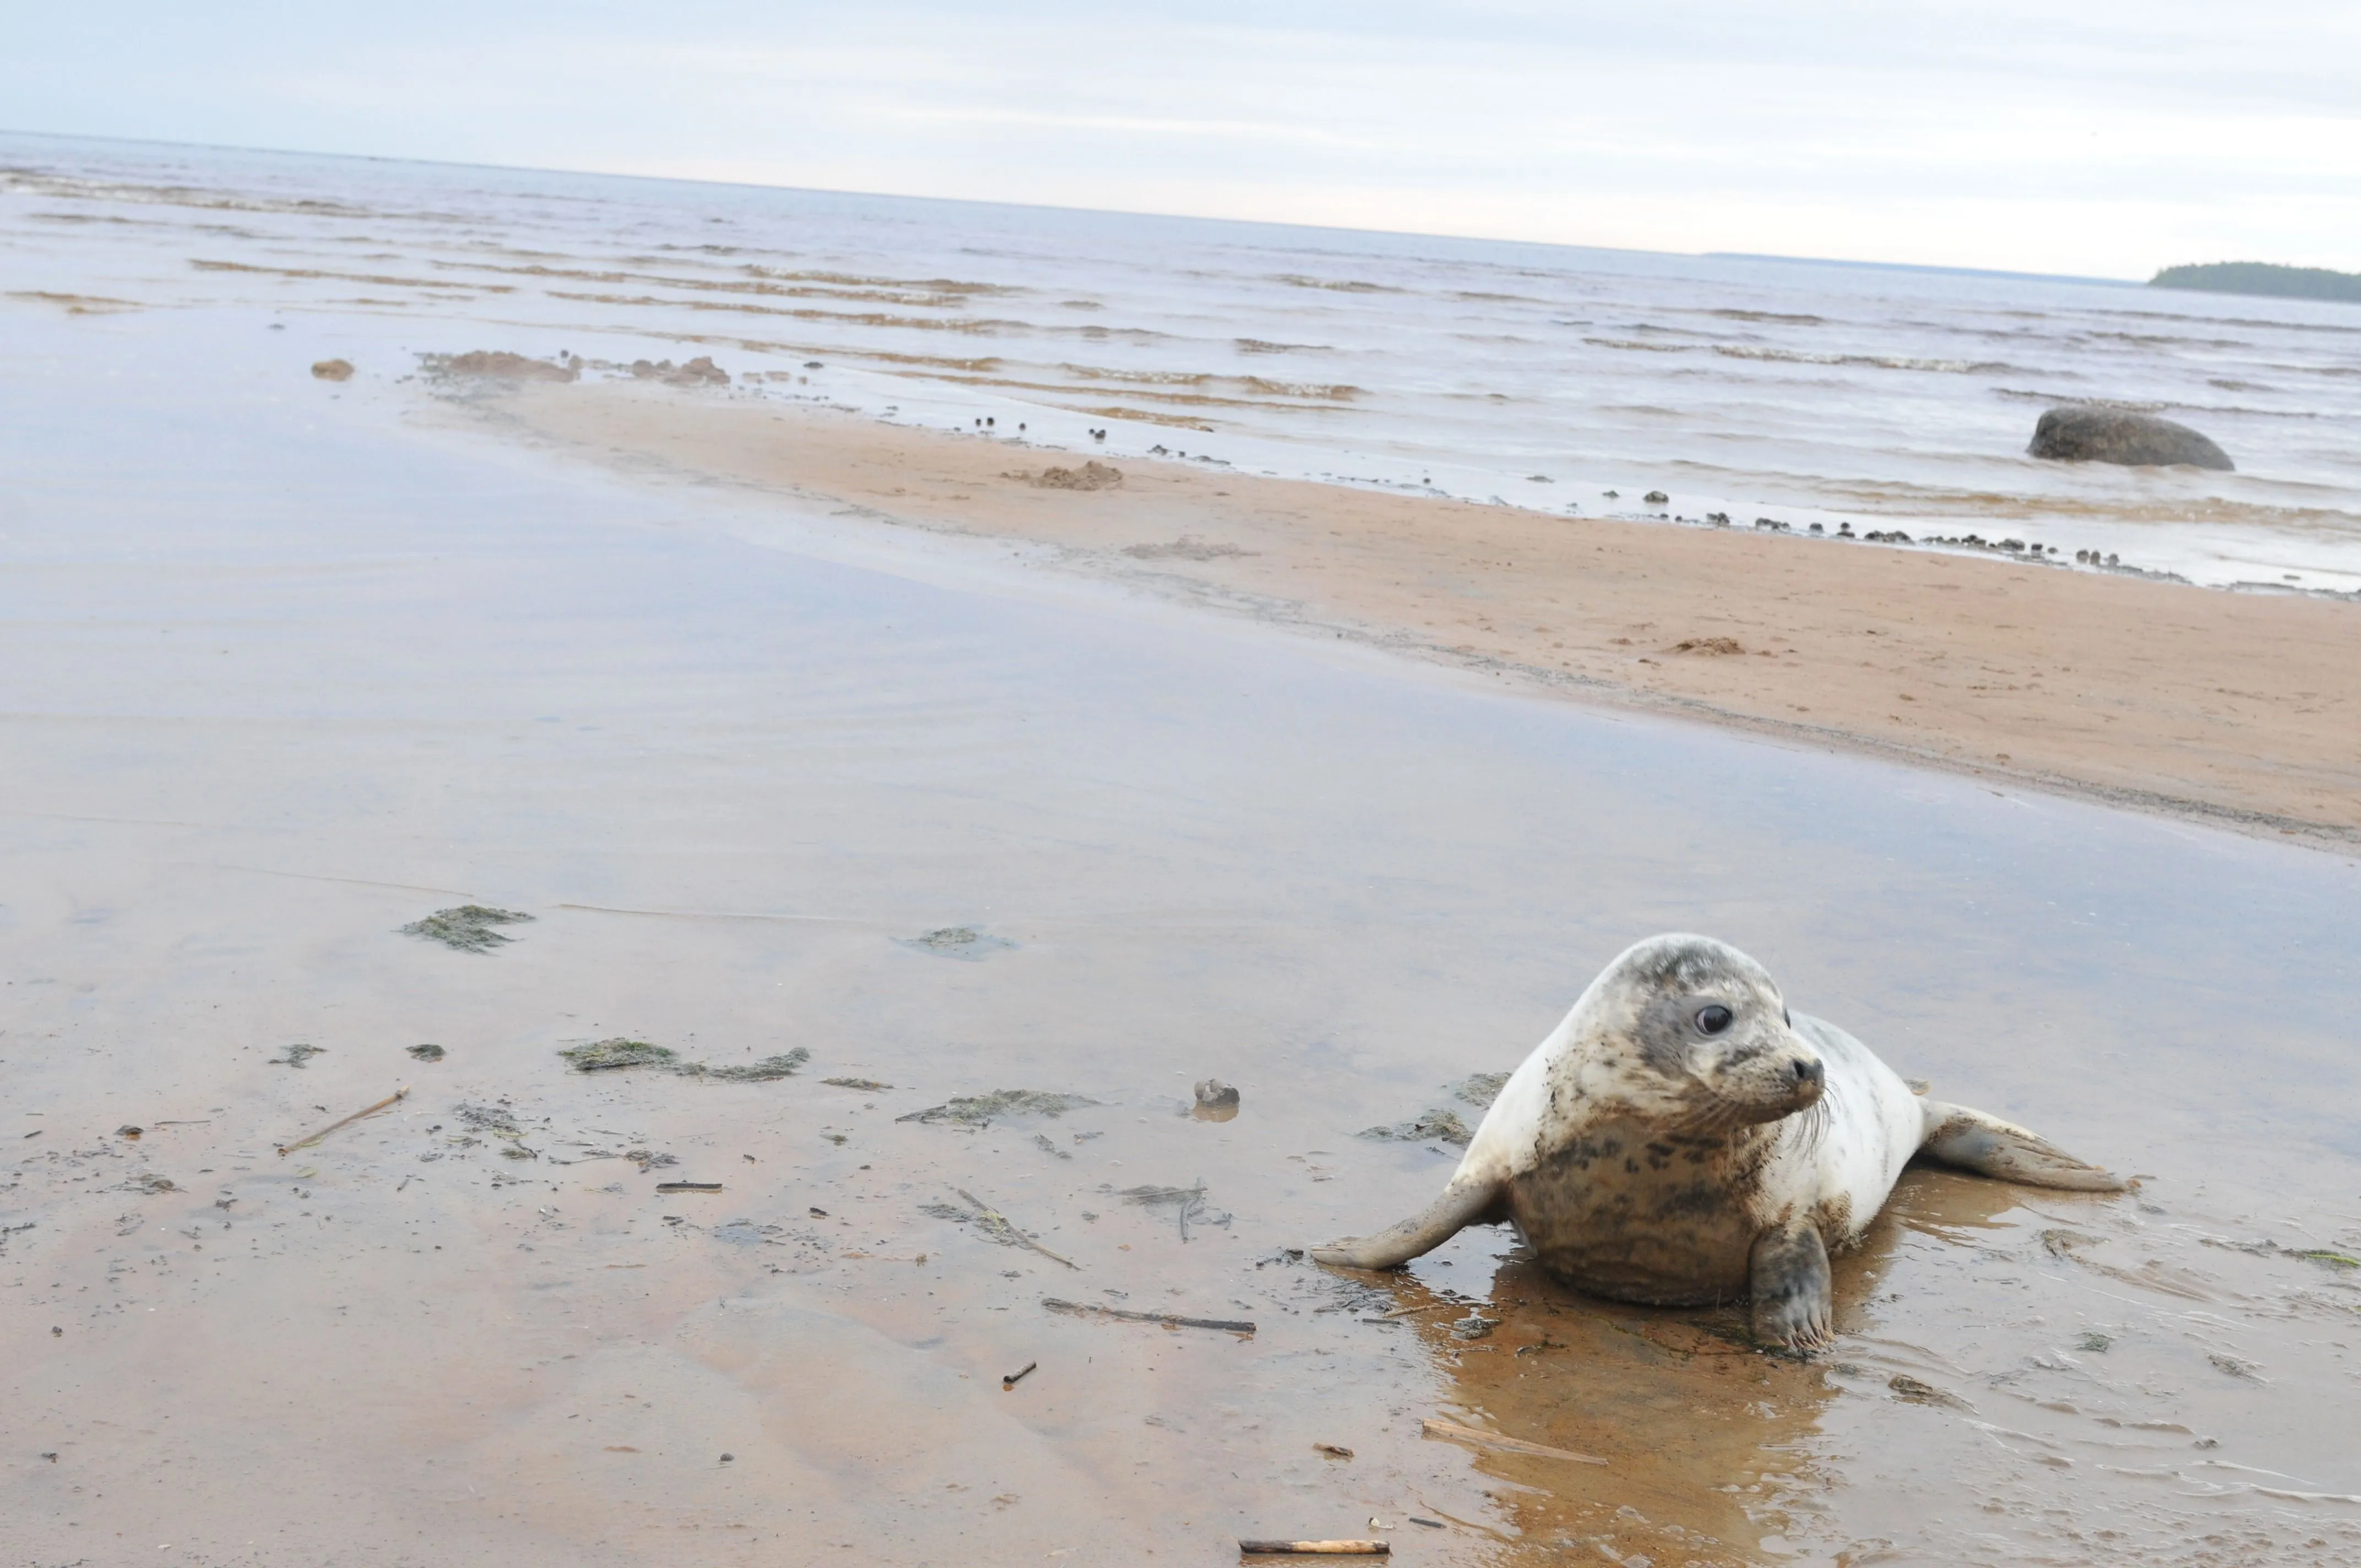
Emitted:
<point x="2079" y="432"/>
<point x="333" y="369"/>
<point x="1216" y="1100"/>
<point x="1215" y="1094"/>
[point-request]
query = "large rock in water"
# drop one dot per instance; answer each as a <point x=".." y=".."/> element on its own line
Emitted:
<point x="2081" y="433"/>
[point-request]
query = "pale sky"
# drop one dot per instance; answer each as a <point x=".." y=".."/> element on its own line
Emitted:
<point x="2031" y="134"/>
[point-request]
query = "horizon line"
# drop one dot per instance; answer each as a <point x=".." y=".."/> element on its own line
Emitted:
<point x="1924" y="267"/>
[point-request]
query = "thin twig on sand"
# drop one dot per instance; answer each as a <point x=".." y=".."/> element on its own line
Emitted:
<point x="998" y="1226"/>
<point x="1433" y="1428"/>
<point x="1314" y="1549"/>
<point x="1170" y="1319"/>
<point x="394" y="1098"/>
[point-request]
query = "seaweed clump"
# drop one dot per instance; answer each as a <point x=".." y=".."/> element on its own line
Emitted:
<point x="1443" y="1125"/>
<point x="1481" y="1089"/>
<point x="497" y="1122"/>
<point x="495" y="1119"/>
<point x="467" y="928"/>
<point x="964" y="943"/>
<point x="609" y="1056"/>
<point x="982" y="1110"/>
<point x="606" y="1056"/>
<point x="770" y="1069"/>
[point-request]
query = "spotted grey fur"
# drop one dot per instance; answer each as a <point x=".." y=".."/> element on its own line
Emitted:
<point x="1646" y="1158"/>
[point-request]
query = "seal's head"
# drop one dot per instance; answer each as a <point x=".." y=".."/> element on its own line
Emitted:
<point x="1707" y="1033"/>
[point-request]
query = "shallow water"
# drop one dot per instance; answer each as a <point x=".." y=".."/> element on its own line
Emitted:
<point x="280" y="673"/>
<point x="1543" y="376"/>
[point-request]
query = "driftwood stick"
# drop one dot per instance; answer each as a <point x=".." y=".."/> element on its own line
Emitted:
<point x="1000" y="1226"/>
<point x="1314" y="1549"/>
<point x="1170" y="1319"/>
<point x="688" y="1186"/>
<point x="1014" y="1378"/>
<point x="286" y="1149"/>
<point x="1507" y="1444"/>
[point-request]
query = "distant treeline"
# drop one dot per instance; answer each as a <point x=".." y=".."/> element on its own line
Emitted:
<point x="2262" y="277"/>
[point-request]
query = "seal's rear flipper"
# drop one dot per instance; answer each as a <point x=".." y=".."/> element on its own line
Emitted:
<point x="1973" y="1141"/>
<point x="1463" y="1203"/>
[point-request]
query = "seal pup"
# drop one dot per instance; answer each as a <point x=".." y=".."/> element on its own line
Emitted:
<point x="1681" y="1139"/>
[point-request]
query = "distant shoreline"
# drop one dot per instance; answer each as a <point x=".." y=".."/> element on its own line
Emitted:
<point x="1928" y="267"/>
<point x="2267" y="278"/>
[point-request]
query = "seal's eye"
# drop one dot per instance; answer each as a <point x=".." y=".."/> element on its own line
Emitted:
<point x="1712" y="1020"/>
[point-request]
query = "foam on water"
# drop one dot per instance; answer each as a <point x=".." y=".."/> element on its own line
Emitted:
<point x="1539" y="375"/>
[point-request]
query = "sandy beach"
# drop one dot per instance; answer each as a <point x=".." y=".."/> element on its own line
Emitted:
<point x="902" y="836"/>
<point x="306" y="663"/>
<point x="2242" y="708"/>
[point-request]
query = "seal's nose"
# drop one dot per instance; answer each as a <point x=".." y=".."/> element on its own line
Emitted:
<point x="1810" y="1077"/>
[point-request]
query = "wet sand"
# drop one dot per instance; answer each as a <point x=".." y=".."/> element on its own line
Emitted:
<point x="280" y="673"/>
<point x="2234" y="707"/>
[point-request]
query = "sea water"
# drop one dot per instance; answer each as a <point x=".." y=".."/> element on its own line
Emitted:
<point x="1765" y="391"/>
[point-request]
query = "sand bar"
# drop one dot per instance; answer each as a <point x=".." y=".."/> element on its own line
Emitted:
<point x="2240" y="708"/>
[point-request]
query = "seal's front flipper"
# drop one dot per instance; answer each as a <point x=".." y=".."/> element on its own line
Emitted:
<point x="1463" y="1203"/>
<point x="1973" y="1141"/>
<point x="1794" y="1300"/>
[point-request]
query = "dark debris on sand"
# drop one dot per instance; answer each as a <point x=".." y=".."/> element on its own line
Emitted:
<point x="1443" y="1125"/>
<point x="467" y="928"/>
<point x="982" y="1110"/>
<point x="963" y="942"/>
<point x="1481" y="1089"/>
<point x="607" y="1056"/>
<point x="610" y="1055"/>
<point x="770" y="1069"/>
<point x="1187" y="1203"/>
<point x="992" y="1224"/>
